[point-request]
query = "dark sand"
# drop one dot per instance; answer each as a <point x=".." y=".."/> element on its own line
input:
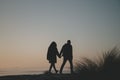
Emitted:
<point x="41" y="77"/>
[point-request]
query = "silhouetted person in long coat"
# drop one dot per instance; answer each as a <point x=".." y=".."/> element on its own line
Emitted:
<point x="67" y="54"/>
<point x="52" y="56"/>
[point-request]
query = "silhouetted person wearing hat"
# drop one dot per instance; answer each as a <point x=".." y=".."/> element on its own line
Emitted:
<point x="52" y="56"/>
<point x="67" y="54"/>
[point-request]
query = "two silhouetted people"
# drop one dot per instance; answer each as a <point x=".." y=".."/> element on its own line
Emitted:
<point x="66" y="52"/>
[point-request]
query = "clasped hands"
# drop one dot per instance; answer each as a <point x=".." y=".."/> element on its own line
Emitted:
<point x="59" y="56"/>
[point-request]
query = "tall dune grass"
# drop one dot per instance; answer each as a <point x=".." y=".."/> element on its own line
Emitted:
<point x="106" y="68"/>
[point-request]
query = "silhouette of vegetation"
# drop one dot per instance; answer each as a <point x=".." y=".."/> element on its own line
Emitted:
<point x="107" y="68"/>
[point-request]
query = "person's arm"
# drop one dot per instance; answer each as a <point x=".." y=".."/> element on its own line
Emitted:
<point x="48" y="54"/>
<point x="72" y="51"/>
<point x="61" y="52"/>
<point x="57" y="53"/>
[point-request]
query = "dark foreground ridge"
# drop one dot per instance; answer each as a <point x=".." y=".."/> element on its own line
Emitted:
<point x="57" y="77"/>
<point x="41" y="77"/>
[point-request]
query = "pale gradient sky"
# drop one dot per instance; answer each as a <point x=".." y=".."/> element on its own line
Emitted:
<point x="27" y="27"/>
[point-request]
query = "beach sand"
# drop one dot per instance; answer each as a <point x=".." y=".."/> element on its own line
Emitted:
<point x="41" y="77"/>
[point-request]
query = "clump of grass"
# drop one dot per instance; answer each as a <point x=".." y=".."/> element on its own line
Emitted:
<point x="107" y="67"/>
<point x="87" y="66"/>
<point x="111" y="62"/>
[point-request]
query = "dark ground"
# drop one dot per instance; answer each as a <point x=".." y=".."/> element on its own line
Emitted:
<point x="42" y="77"/>
<point x="59" y="77"/>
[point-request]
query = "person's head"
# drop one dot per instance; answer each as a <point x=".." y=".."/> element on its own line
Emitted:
<point x="68" y="42"/>
<point x="53" y="44"/>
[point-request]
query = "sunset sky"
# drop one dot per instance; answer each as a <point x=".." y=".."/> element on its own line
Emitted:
<point x="27" y="27"/>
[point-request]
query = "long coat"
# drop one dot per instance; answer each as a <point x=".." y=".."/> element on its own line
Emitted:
<point x="52" y="54"/>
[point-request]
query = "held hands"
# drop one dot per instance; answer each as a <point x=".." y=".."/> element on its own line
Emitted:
<point x="59" y="56"/>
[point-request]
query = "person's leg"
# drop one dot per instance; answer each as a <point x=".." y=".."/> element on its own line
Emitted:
<point x="63" y="64"/>
<point x="50" y="68"/>
<point x="71" y="65"/>
<point x="55" y="68"/>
